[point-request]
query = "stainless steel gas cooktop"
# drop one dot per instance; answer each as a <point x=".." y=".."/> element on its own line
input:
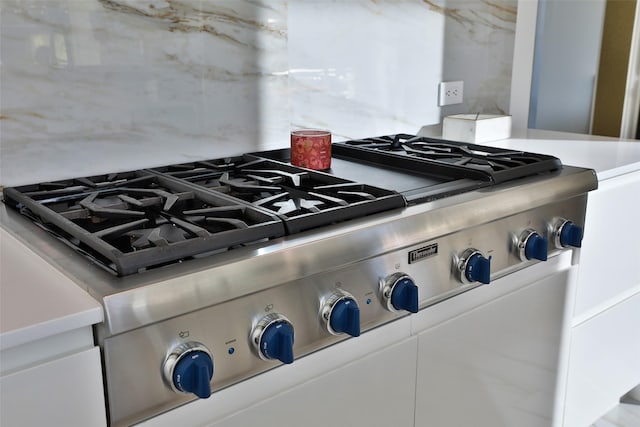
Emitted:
<point x="133" y="221"/>
<point x="215" y="271"/>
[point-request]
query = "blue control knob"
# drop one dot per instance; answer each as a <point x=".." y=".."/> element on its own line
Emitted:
<point x="273" y="337"/>
<point x="345" y="317"/>
<point x="570" y="235"/>
<point x="277" y="342"/>
<point x="535" y="247"/>
<point x="193" y="374"/>
<point x="477" y="268"/>
<point x="400" y="293"/>
<point x="189" y="369"/>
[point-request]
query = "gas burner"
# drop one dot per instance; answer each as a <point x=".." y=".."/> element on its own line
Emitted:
<point x="53" y="191"/>
<point x="161" y="235"/>
<point x="291" y="206"/>
<point x="302" y="198"/>
<point x="183" y="170"/>
<point x="139" y="220"/>
<point x="120" y="203"/>
<point x="248" y="183"/>
<point x="132" y="221"/>
<point x="437" y="157"/>
<point x="464" y="156"/>
<point x="277" y="176"/>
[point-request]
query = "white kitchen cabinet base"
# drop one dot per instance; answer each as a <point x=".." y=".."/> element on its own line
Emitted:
<point x="64" y="392"/>
<point x="498" y="365"/>
<point x="604" y="362"/>
<point x="375" y="391"/>
<point x="608" y="260"/>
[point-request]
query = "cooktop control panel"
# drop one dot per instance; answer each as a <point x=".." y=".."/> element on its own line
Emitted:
<point x="193" y="355"/>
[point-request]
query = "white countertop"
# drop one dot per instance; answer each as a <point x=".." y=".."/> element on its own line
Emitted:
<point x="609" y="157"/>
<point x="36" y="300"/>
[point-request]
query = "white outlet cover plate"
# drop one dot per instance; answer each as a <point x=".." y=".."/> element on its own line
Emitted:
<point x="450" y="93"/>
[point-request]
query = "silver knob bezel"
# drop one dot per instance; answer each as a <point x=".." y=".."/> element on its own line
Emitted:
<point x="522" y="243"/>
<point x="387" y="286"/>
<point x="555" y="229"/>
<point x="461" y="262"/>
<point x="258" y="331"/>
<point x="327" y="306"/>
<point x="175" y="356"/>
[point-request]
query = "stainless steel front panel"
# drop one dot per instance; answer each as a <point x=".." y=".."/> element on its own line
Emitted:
<point x="136" y="357"/>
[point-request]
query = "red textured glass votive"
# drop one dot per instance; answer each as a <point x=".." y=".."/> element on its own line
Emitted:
<point x="311" y="148"/>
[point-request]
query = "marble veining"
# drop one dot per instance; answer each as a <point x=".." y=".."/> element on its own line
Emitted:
<point x="196" y="17"/>
<point x="119" y="85"/>
<point x="122" y="84"/>
<point x="498" y="15"/>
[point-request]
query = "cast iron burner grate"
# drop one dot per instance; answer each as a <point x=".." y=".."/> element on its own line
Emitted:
<point x="132" y="221"/>
<point x="449" y="158"/>
<point x="303" y="198"/>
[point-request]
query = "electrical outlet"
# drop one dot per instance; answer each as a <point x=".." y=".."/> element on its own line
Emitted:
<point x="450" y="93"/>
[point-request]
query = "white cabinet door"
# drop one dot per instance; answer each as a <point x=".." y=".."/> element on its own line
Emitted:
<point x="496" y="365"/>
<point x="605" y="340"/>
<point x="610" y="255"/>
<point x="604" y="362"/>
<point x="375" y="391"/>
<point x="64" y="392"/>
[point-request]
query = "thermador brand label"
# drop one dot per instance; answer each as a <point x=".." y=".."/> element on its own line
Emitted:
<point x="423" y="253"/>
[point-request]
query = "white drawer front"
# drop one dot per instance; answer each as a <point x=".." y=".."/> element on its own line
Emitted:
<point x="63" y="392"/>
<point x="604" y="362"/>
<point x="610" y="255"/>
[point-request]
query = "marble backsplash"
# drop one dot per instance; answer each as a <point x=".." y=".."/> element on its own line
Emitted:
<point x="91" y="86"/>
<point x="364" y="68"/>
<point x="94" y="86"/>
<point x="478" y="45"/>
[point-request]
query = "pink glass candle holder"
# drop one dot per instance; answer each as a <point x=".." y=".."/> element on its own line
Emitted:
<point x="311" y="148"/>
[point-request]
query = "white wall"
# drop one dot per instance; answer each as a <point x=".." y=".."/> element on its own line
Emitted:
<point x="567" y="53"/>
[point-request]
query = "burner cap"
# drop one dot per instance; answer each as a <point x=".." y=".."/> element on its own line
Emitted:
<point x="161" y="235"/>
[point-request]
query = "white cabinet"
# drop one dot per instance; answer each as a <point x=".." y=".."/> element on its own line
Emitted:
<point x="497" y="365"/>
<point x="604" y="361"/>
<point x="50" y="370"/>
<point x="610" y="258"/>
<point x="375" y="391"/>
<point x="62" y="392"/>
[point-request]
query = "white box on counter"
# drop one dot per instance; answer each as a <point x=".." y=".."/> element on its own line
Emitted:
<point x="476" y="128"/>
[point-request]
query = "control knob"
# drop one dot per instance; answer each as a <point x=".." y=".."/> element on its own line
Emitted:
<point x="189" y="369"/>
<point x="399" y="292"/>
<point x="341" y="314"/>
<point x="566" y="233"/>
<point x="472" y="267"/>
<point x="273" y="338"/>
<point x="531" y="245"/>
